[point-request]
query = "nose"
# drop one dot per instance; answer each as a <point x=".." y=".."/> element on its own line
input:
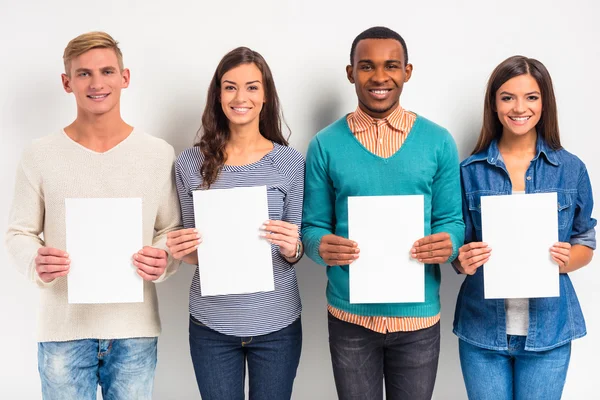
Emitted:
<point x="96" y="82"/>
<point x="520" y="106"/>
<point x="240" y="96"/>
<point x="380" y="75"/>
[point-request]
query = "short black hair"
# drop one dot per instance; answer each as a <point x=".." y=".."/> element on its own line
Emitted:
<point x="378" y="32"/>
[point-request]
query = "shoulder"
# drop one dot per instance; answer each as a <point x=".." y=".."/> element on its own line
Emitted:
<point x="42" y="148"/>
<point x="289" y="155"/>
<point x="288" y="160"/>
<point x="333" y="131"/>
<point x="432" y="129"/>
<point x="155" y="144"/>
<point x="569" y="161"/>
<point x="188" y="157"/>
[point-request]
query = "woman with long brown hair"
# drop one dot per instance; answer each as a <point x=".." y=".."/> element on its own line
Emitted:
<point x="520" y="348"/>
<point x="242" y="145"/>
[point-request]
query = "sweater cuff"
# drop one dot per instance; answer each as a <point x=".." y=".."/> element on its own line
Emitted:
<point x="311" y="245"/>
<point x="455" y="247"/>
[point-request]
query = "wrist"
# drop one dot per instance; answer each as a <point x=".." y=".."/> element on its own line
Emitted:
<point x="298" y="252"/>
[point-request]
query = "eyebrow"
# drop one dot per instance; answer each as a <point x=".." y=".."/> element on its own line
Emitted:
<point x="526" y="94"/>
<point x="247" y="83"/>
<point x="372" y="62"/>
<point x="101" y="69"/>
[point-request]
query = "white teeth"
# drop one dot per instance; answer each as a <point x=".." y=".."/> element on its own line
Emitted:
<point x="519" y="118"/>
<point x="240" y="109"/>
<point x="380" y="91"/>
<point x="98" y="97"/>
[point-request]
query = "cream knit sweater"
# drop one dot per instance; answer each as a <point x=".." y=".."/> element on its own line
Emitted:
<point x="54" y="168"/>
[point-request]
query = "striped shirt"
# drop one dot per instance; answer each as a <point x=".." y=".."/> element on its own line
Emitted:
<point x="249" y="314"/>
<point x="383" y="137"/>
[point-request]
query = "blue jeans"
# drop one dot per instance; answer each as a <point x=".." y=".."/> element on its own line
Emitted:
<point x="220" y="362"/>
<point x="72" y="370"/>
<point x="514" y="374"/>
<point x="362" y="358"/>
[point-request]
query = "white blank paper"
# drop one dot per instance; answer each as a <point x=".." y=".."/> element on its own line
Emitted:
<point x="385" y="228"/>
<point x="520" y="229"/>
<point x="102" y="237"/>
<point x="232" y="257"/>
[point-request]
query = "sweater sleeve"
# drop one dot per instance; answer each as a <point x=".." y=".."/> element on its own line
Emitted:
<point x="168" y="218"/>
<point x="25" y="224"/>
<point x="319" y="202"/>
<point x="446" y="202"/>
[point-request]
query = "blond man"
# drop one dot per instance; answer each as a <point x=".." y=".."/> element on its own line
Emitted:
<point x="98" y="155"/>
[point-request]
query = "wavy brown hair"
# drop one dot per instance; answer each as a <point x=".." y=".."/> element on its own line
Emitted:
<point x="514" y="66"/>
<point x="214" y="132"/>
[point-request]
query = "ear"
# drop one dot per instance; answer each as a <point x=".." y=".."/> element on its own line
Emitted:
<point x="125" y="77"/>
<point x="408" y="70"/>
<point x="66" y="82"/>
<point x="349" y="72"/>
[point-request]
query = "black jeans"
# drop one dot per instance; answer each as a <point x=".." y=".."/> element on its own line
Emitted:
<point x="362" y="359"/>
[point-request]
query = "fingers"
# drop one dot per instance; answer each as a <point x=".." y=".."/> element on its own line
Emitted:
<point x="561" y="253"/>
<point x="183" y="242"/>
<point x="431" y="240"/>
<point x="472" y="256"/>
<point x="181" y="232"/>
<point x="280" y="227"/>
<point x="49" y="277"/>
<point x="283" y="234"/>
<point x="50" y="251"/>
<point x="51" y="263"/>
<point x="280" y="230"/>
<point x="432" y="249"/>
<point x="151" y="263"/>
<point x="336" y="250"/>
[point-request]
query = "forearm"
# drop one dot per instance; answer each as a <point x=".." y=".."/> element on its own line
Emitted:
<point x="580" y="257"/>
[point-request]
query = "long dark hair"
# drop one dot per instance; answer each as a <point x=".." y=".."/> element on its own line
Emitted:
<point x="513" y="66"/>
<point x="214" y="132"/>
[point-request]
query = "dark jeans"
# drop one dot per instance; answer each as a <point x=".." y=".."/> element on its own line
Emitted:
<point x="220" y="362"/>
<point x="362" y="358"/>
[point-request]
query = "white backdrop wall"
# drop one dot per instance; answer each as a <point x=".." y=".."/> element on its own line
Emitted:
<point x="172" y="48"/>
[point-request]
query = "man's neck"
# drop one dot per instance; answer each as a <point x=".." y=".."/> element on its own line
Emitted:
<point x="98" y="133"/>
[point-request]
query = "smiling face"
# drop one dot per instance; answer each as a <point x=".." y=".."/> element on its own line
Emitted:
<point x="96" y="81"/>
<point x="242" y="95"/>
<point x="378" y="74"/>
<point x="519" y="105"/>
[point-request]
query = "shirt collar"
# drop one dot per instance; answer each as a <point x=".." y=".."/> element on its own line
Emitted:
<point x="364" y="120"/>
<point x="492" y="155"/>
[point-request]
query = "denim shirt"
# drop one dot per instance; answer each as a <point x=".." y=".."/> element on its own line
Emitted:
<point x="553" y="321"/>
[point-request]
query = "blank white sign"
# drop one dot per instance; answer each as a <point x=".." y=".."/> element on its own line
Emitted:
<point x="520" y="229"/>
<point x="232" y="257"/>
<point x="102" y="236"/>
<point x="385" y="228"/>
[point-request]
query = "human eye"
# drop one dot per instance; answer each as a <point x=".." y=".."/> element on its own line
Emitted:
<point x="253" y="88"/>
<point x="109" y="72"/>
<point x="506" y="98"/>
<point x="229" y="87"/>
<point x="83" y="74"/>
<point x="365" y="67"/>
<point x="393" y="66"/>
<point x="533" y="97"/>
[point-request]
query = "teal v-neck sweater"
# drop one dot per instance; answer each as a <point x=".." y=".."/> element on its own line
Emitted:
<point x="338" y="166"/>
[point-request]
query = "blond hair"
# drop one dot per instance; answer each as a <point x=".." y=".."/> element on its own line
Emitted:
<point x="88" y="41"/>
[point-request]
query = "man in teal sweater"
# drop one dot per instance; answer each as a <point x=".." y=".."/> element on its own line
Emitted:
<point x="382" y="149"/>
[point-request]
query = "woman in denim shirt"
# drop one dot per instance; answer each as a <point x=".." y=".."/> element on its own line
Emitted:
<point x="520" y="348"/>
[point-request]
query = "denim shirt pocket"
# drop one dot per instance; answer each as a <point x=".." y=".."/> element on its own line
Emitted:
<point x="474" y="204"/>
<point x="565" y="209"/>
